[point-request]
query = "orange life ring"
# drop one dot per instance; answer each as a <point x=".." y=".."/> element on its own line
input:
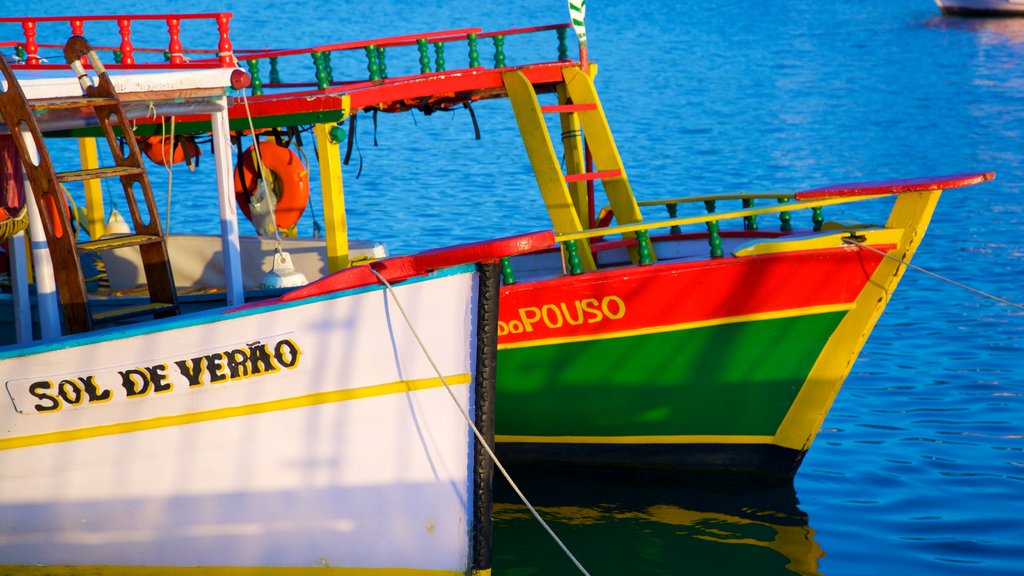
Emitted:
<point x="158" y="149"/>
<point x="289" y="182"/>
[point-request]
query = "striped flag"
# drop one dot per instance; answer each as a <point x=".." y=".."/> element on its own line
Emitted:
<point x="577" y="11"/>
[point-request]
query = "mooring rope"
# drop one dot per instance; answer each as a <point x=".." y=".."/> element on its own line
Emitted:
<point x="850" y="240"/>
<point x="476" y="431"/>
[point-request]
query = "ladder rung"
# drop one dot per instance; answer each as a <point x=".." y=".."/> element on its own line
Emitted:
<point x="110" y="172"/>
<point x="568" y="108"/>
<point x="133" y="311"/>
<point x="115" y="242"/>
<point x="604" y="174"/>
<point x="69" y="102"/>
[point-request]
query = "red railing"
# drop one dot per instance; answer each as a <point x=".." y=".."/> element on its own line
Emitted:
<point x="127" y="49"/>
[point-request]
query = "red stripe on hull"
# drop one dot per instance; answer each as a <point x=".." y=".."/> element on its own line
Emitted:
<point x="666" y="294"/>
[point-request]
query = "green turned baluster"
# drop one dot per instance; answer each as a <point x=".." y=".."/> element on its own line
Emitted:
<point x="381" y="64"/>
<point x="817" y="218"/>
<point x="167" y="55"/>
<point x="275" y="76"/>
<point x="643" y="247"/>
<point x="439" y="56"/>
<point x="254" y="73"/>
<point x="20" y="51"/>
<point x="421" y="45"/>
<point x="506" y="272"/>
<point x="499" y="51"/>
<point x="575" y="264"/>
<point x="563" y="46"/>
<point x="327" y="66"/>
<point x="749" y="222"/>
<point x="321" y="73"/>
<point x="474" y="54"/>
<point x="714" y="240"/>
<point x="371" y="62"/>
<point x="117" y="56"/>
<point x="785" y="218"/>
<point x="672" y="213"/>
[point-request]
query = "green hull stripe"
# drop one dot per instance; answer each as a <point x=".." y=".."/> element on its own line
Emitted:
<point x="719" y="380"/>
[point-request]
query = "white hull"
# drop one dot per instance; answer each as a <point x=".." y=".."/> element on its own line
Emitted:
<point x="993" y="7"/>
<point x="344" y="451"/>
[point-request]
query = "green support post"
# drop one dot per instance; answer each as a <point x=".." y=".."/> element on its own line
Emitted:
<point x="575" y="264"/>
<point x="371" y="62"/>
<point x="421" y="45"/>
<point x="714" y="240"/>
<point x="499" y="51"/>
<point x="439" y="57"/>
<point x="817" y="218"/>
<point x="673" y="211"/>
<point x="474" y="54"/>
<point x="749" y="222"/>
<point x="507" y="277"/>
<point x="327" y="66"/>
<point x="709" y="205"/>
<point x="117" y="56"/>
<point x="785" y="218"/>
<point x="321" y="73"/>
<point x="254" y="73"/>
<point x="563" y="46"/>
<point x="167" y="55"/>
<point x="20" y="51"/>
<point x="382" y="67"/>
<point x="275" y="76"/>
<point x="643" y="247"/>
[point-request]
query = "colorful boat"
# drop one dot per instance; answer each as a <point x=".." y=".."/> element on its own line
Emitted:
<point x="311" y="431"/>
<point x="707" y="341"/>
<point x="982" y="7"/>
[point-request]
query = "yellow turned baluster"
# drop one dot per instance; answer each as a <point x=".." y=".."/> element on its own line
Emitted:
<point x="94" y="223"/>
<point x="335" y="223"/>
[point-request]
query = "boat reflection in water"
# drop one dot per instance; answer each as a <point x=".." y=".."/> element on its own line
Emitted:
<point x="640" y="524"/>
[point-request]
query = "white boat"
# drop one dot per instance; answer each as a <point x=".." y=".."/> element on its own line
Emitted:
<point x="982" y="7"/>
<point x="304" y="432"/>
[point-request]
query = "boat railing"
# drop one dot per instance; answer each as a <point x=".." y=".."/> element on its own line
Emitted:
<point x="128" y="53"/>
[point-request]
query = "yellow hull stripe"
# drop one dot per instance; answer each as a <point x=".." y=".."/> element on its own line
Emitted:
<point x="19" y="570"/>
<point x="683" y="439"/>
<point x="788" y="313"/>
<point x="221" y="413"/>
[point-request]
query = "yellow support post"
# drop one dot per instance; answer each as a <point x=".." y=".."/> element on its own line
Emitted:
<point x="335" y="222"/>
<point x="94" y="211"/>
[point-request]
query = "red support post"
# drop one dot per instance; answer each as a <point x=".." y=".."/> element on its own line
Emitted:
<point x="78" y="27"/>
<point x="224" y="50"/>
<point x="127" y="50"/>
<point x="174" y="47"/>
<point x="31" y="48"/>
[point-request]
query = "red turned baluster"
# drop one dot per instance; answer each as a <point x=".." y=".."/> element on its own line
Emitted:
<point x="31" y="48"/>
<point x="174" y="46"/>
<point x="127" y="50"/>
<point x="224" y="50"/>
<point x="78" y="29"/>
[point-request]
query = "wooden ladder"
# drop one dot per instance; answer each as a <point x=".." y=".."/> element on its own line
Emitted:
<point x="579" y="106"/>
<point x="19" y="114"/>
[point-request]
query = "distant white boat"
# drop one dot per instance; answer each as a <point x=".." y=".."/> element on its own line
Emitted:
<point x="982" y="7"/>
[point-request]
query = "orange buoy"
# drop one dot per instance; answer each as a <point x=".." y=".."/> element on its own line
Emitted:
<point x="159" y="150"/>
<point x="287" y="180"/>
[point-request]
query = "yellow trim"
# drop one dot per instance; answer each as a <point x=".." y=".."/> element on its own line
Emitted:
<point x="232" y="412"/>
<point x="816" y="242"/>
<point x="21" y="570"/>
<point x="663" y="439"/>
<point x="486" y="572"/>
<point x="789" y="313"/>
<point x="911" y="213"/>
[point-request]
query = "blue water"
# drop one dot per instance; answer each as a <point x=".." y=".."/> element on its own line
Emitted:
<point x="920" y="464"/>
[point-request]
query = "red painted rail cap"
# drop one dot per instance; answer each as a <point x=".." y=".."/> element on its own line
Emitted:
<point x="884" y="187"/>
<point x="404" y="267"/>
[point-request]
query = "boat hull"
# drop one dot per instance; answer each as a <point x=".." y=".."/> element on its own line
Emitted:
<point x="982" y="7"/>
<point x="304" y="434"/>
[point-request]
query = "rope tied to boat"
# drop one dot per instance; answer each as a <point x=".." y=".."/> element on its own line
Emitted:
<point x="859" y="242"/>
<point x="476" y="431"/>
